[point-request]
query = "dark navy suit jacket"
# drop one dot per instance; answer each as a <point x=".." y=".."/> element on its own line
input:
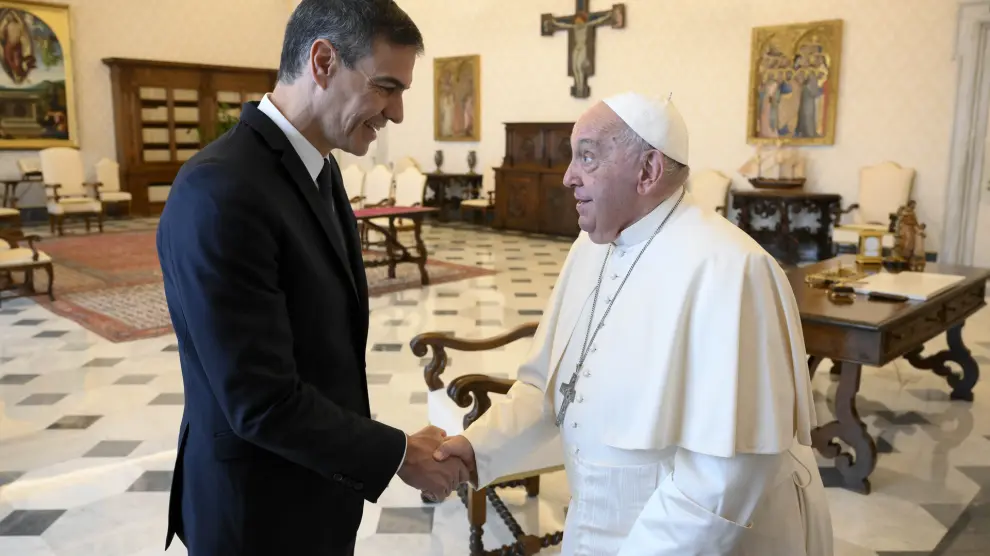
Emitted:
<point x="277" y="450"/>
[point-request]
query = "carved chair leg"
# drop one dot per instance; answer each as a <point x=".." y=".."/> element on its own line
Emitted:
<point x="533" y="486"/>
<point x="51" y="223"/>
<point x="86" y="219"/>
<point x="99" y="221"/>
<point x="477" y="501"/>
<point x="60" y="220"/>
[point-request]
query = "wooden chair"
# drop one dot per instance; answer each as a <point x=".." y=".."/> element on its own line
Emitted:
<point x="377" y="193"/>
<point x="68" y="192"/>
<point x="409" y="186"/>
<point x="109" y="193"/>
<point x="15" y="258"/>
<point x="446" y="410"/>
<point x="353" y="177"/>
<point x="711" y="189"/>
<point x="485" y="203"/>
<point x="883" y="189"/>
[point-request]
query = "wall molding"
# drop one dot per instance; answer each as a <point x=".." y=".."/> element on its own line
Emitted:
<point x="969" y="132"/>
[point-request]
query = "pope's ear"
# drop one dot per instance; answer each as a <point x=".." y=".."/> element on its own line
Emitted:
<point x="651" y="172"/>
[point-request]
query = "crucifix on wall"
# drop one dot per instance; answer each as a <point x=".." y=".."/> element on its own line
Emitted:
<point x="580" y="29"/>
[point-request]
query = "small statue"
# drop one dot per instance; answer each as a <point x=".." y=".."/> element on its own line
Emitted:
<point x="905" y="233"/>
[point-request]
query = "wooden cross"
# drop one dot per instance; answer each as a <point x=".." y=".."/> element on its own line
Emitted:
<point x="580" y="29"/>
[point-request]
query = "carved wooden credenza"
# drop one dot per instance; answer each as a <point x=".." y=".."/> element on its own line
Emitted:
<point x="529" y="191"/>
<point x="782" y="238"/>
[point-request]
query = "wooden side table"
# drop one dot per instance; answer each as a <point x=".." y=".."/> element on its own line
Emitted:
<point x="440" y="182"/>
<point x="787" y="203"/>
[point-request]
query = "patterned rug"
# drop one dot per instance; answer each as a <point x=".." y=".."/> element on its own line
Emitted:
<point x="111" y="283"/>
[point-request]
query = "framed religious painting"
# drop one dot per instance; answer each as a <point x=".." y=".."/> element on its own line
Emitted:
<point x="457" y="98"/>
<point x="794" y="83"/>
<point x="37" y="102"/>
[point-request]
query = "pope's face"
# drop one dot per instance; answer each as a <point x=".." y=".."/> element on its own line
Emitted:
<point x="603" y="174"/>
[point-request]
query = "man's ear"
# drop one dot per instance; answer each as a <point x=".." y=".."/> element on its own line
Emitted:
<point x="323" y="61"/>
<point x="651" y="172"/>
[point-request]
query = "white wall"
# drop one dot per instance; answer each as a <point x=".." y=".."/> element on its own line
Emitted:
<point x="895" y="102"/>
<point x="225" y="32"/>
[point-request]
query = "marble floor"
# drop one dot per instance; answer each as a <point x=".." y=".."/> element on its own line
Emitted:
<point x="88" y="427"/>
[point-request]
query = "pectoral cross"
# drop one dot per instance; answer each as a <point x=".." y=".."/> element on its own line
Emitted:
<point x="580" y="29"/>
<point x="568" y="389"/>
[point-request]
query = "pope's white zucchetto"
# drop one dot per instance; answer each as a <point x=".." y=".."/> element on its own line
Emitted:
<point x="656" y="120"/>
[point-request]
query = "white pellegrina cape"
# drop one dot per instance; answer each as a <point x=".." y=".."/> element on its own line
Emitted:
<point x="697" y="381"/>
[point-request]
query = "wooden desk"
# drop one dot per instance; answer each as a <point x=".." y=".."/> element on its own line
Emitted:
<point x="395" y="252"/>
<point x="875" y="333"/>
<point x="787" y="203"/>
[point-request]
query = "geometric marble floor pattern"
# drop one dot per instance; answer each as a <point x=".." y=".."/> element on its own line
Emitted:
<point x="88" y="427"/>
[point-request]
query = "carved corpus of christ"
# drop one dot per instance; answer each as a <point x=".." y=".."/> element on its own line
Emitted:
<point x="580" y="29"/>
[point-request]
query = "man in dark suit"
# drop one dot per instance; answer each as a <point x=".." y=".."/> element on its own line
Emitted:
<point x="268" y="296"/>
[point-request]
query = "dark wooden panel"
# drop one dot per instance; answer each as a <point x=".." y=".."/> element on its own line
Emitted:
<point x="521" y="192"/>
<point x="558" y="214"/>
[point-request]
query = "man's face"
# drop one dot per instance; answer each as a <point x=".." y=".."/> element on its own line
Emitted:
<point x="361" y="100"/>
<point x="603" y="174"/>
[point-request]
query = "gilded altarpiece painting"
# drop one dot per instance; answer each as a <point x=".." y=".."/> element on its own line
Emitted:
<point x="794" y="83"/>
<point x="457" y="98"/>
<point x="37" y="106"/>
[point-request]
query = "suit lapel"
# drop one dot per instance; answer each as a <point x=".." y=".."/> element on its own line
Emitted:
<point x="260" y="122"/>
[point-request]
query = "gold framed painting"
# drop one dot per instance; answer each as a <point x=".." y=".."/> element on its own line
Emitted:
<point x="794" y="83"/>
<point x="457" y="98"/>
<point x="37" y="96"/>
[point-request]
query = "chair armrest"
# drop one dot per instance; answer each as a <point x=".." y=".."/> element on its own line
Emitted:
<point x="54" y="187"/>
<point x="441" y="342"/>
<point x="356" y="199"/>
<point x="474" y="391"/>
<point x="720" y="209"/>
<point x="16" y="237"/>
<point x="837" y="216"/>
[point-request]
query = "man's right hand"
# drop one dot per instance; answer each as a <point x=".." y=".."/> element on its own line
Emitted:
<point x="460" y="448"/>
<point x="423" y="472"/>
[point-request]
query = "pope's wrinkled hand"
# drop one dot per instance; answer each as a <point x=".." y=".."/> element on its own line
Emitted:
<point x="458" y="448"/>
<point x="422" y="471"/>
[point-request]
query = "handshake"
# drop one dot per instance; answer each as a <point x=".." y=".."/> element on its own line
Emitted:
<point x="435" y="464"/>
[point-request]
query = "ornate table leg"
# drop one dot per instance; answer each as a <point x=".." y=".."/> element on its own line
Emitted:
<point x="962" y="385"/>
<point x="390" y="244"/>
<point x="424" y="276"/>
<point x="850" y="429"/>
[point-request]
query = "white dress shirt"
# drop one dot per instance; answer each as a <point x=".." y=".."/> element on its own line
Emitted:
<point x="311" y="158"/>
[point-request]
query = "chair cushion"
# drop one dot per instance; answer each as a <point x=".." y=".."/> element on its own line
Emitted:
<point x="20" y="257"/>
<point x="7" y="212"/>
<point x="114" y="196"/>
<point x="74" y="206"/>
<point x="447" y="415"/>
<point x="475" y="203"/>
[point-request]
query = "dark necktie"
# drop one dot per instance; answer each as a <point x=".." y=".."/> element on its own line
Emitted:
<point x="325" y="183"/>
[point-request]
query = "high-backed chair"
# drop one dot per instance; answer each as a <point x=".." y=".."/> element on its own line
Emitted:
<point x="353" y="177"/>
<point x="485" y="203"/>
<point x="377" y="193"/>
<point x="446" y="407"/>
<point x="68" y="192"/>
<point x="883" y="189"/>
<point x="409" y="186"/>
<point x="711" y="189"/>
<point x="108" y="175"/>
<point x="405" y="162"/>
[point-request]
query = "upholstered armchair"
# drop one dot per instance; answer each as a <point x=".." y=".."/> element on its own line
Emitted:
<point x="18" y="254"/>
<point x="485" y="203"/>
<point x="883" y="189"/>
<point x="446" y="407"/>
<point x="377" y="193"/>
<point x="353" y="177"/>
<point x="108" y="175"/>
<point x="68" y="192"/>
<point x="711" y="189"/>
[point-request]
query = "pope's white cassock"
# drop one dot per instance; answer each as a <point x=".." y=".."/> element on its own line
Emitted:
<point x="690" y="430"/>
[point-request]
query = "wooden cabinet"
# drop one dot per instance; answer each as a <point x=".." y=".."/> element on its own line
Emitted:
<point x="529" y="192"/>
<point x="165" y="112"/>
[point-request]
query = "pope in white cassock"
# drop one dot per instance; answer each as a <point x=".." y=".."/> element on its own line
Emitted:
<point x="671" y="362"/>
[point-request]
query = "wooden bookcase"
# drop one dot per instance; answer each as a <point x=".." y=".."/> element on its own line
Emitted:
<point x="530" y="195"/>
<point x="165" y="112"/>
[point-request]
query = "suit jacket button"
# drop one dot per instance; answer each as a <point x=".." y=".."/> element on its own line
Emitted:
<point x="338" y="477"/>
<point x="358" y="485"/>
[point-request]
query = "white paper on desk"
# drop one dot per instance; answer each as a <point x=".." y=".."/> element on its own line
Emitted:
<point x="913" y="285"/>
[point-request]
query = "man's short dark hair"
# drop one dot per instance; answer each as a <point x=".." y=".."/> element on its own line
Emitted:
<point x="351" y="26"/>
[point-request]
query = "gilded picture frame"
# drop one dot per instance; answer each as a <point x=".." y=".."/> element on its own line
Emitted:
<point x="37" y="89"/>
<point x="457" y="98"/>
<point x="794" y="83"/>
